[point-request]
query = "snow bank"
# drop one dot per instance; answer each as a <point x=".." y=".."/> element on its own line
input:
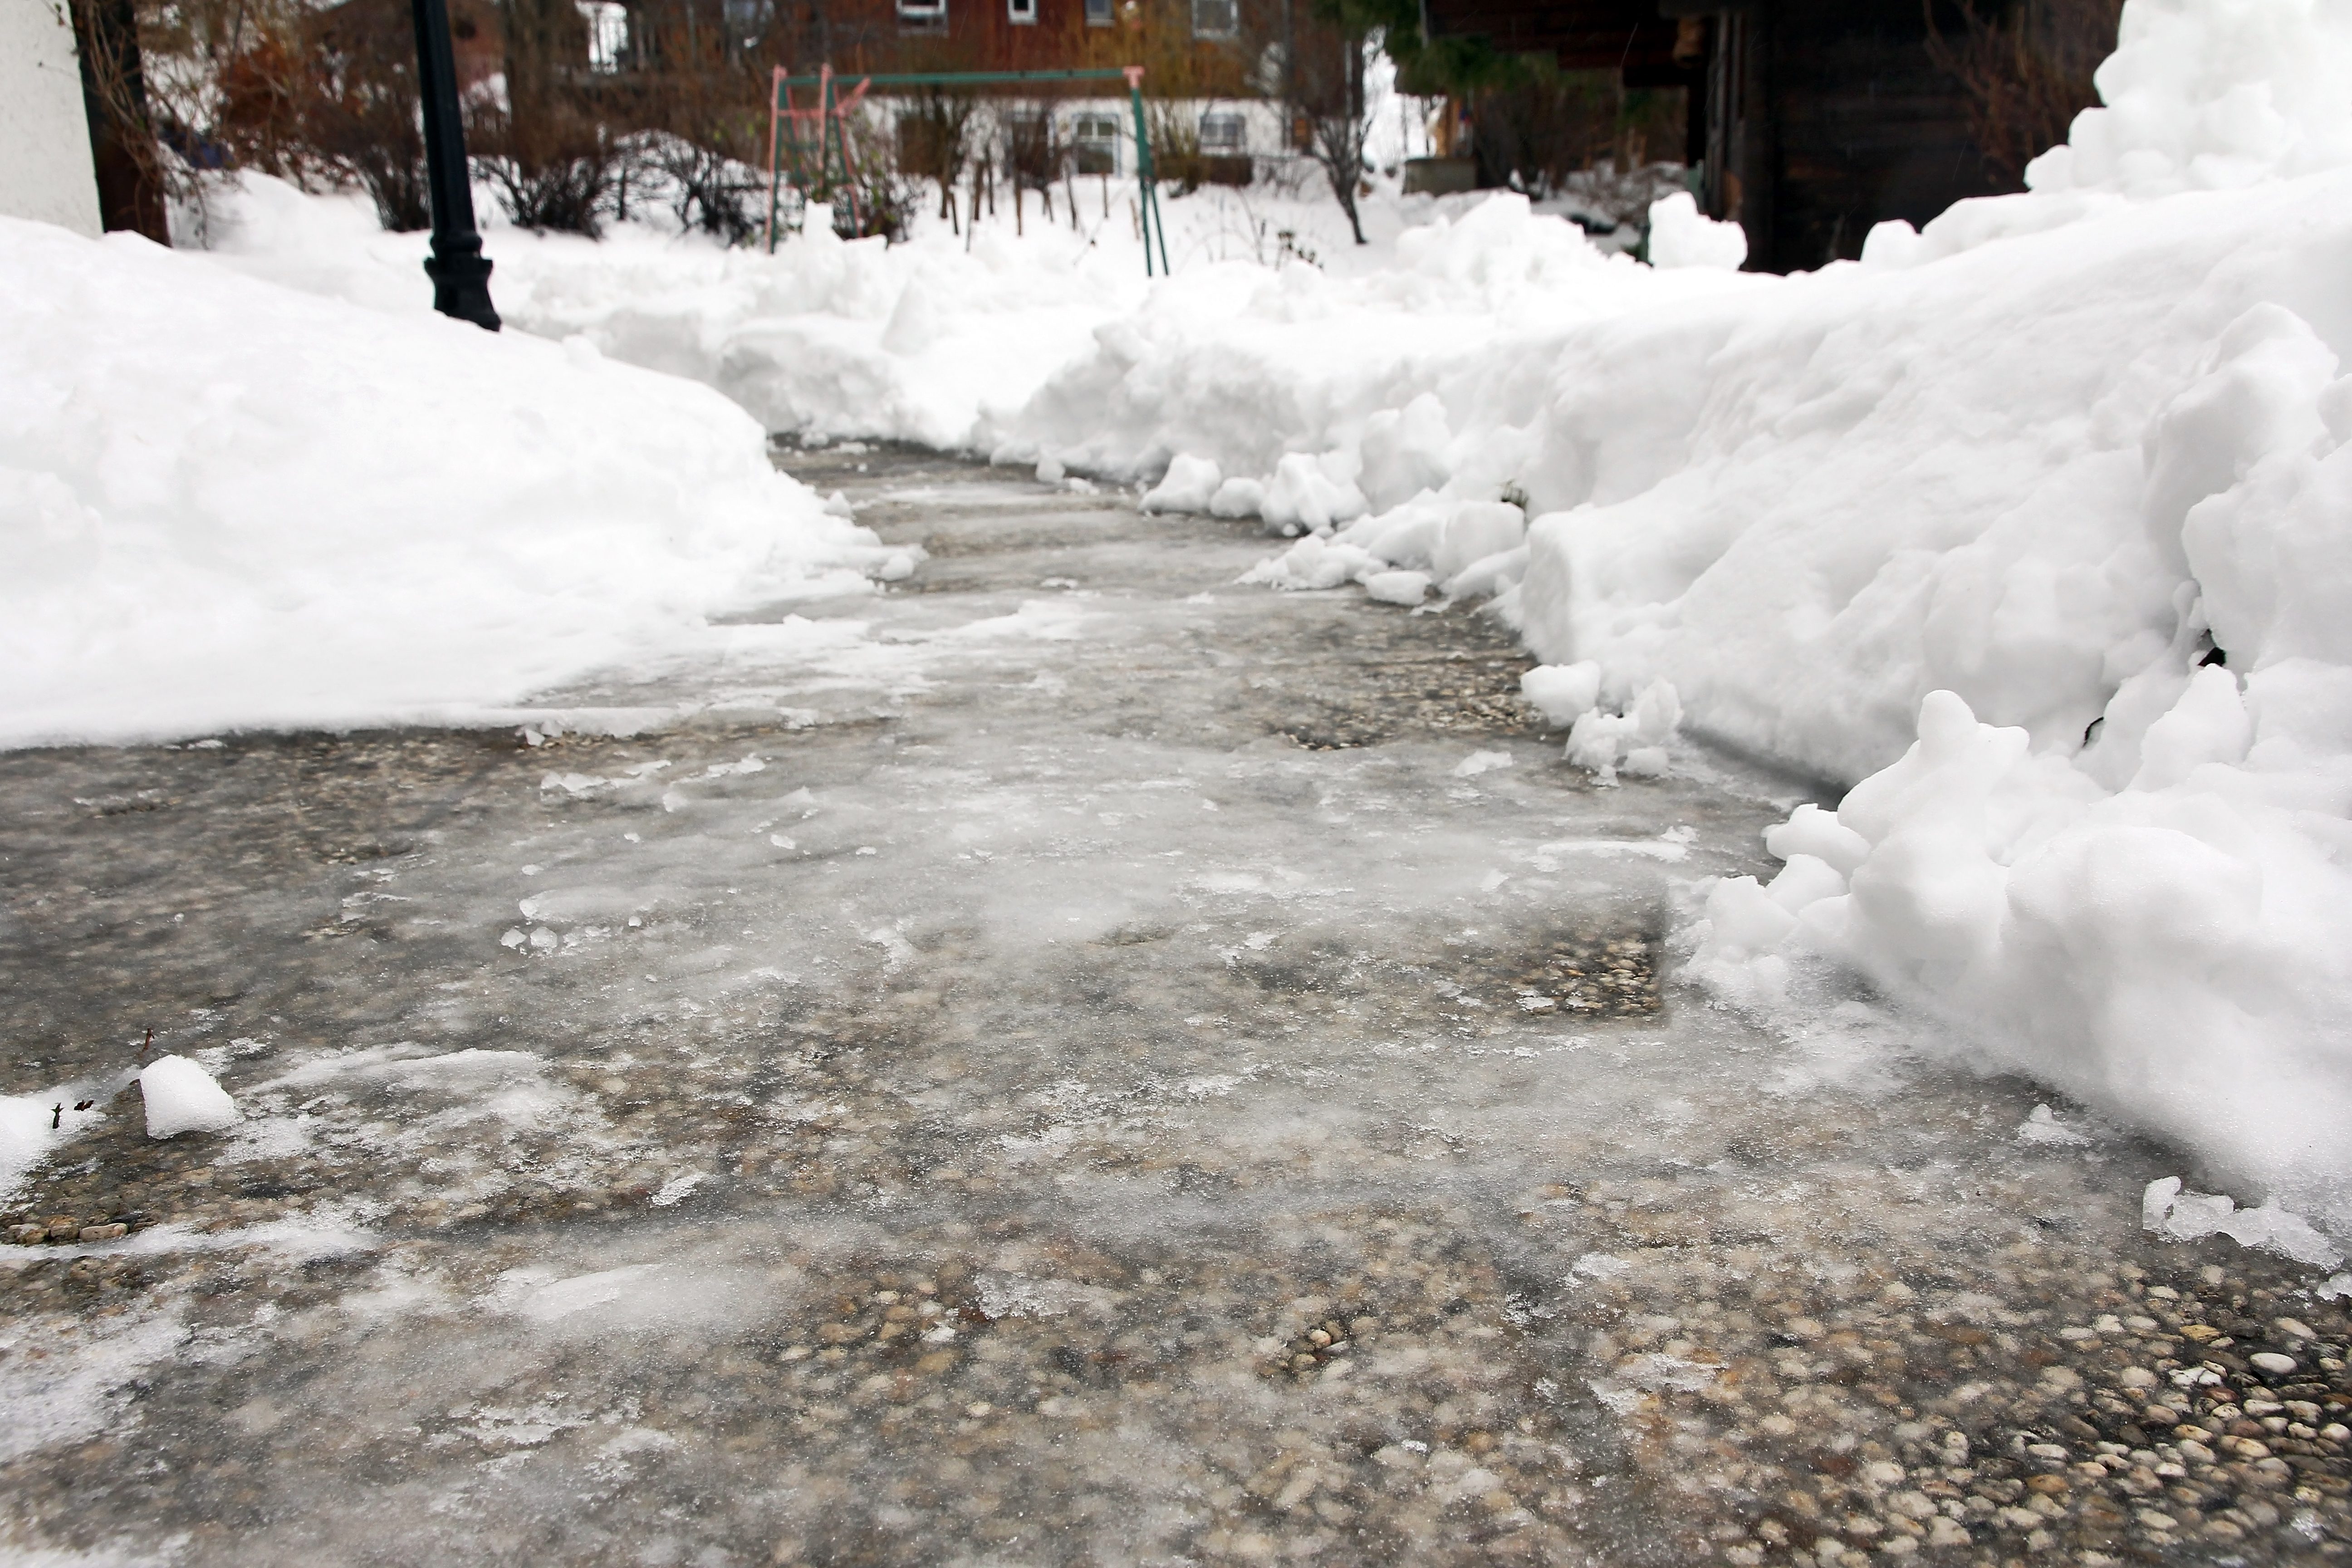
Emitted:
<point x="932" y="341"/>
<point x="2209" y="95"/>
<point x="1326" y="397"/>
<point x="225" y="503"/>
<point x="2040" y="545"/>
<point x="181" y="1096"/>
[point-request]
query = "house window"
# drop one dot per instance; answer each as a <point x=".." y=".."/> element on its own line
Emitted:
<point x="1098" y="13"/>
<point x="1095" y="140"/>
<point x="1215" y="19"/>
<point x="1023" y="12"/>
<point x="928" y="13"/>
<point x="1224" y="135"/>
<point x="608" y="34"/>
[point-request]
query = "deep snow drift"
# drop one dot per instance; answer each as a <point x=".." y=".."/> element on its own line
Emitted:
<point x="225" y="503"/>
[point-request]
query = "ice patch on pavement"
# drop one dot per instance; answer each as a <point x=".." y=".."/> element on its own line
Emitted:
<point x="2177" y="1215"/>
<point x="74" y="1379"/>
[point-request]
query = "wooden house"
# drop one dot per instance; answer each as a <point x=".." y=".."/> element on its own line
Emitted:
<point x="1201" y="59"/>
<point x="1810" y="119"/>
<point x="1205" y="48"/>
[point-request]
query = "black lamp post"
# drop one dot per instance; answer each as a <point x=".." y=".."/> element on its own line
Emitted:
<point x="460" y="272"/>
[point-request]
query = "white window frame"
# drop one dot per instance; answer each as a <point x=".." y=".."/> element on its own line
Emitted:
<point x="1237" y="148"/>
<point x="608" y="34"/>
<point x="1098" y="13"/>
<point x="1232" y="27"/>
<point x="922" y="10"/>
<point x="1022" y="13"/>
<point x="1114" y="135"/>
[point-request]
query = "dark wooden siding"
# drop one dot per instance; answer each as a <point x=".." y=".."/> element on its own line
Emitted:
<point x="981" y="35"/>
<point x="1824" y="117"/>
<point x="1595" y="35"/>
<point x="1866" y="127"/>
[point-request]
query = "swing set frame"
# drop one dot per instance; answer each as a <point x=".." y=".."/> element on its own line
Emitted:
<point x="829" y="164"/>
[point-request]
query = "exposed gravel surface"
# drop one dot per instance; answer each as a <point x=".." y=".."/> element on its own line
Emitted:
<point x="1067" y="1061"/>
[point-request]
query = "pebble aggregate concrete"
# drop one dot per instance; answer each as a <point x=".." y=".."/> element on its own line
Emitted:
<point x="1064" y="1061"/>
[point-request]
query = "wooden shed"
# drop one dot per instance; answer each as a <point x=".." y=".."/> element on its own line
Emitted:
<point x="1811" y="119"/>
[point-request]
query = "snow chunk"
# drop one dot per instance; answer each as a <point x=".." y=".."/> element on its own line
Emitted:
<point x="182" y="1098"/>
<point x="1682" y="235"/>
<point x="32" y="1125"/>
<point x="1397" y="587"/>
<point x="1562" y="693"/>
<point x="1601" y="741"/>
<point x="1316" y="563"/>
<point x="1187" y="486"/>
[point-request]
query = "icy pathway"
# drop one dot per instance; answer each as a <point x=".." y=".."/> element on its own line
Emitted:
<point x="1067" y="1062"/>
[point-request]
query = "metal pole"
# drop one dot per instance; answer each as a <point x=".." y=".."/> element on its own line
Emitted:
<point x="460" y="272"/>
<point x="824" y="134"/>
<point x="775" y="161"/>
<point x="1143" y="176"/>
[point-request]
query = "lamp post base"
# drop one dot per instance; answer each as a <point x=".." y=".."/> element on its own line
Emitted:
<point x="461" y="280"/>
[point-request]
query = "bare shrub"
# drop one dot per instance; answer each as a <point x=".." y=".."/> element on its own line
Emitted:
<point x="2026" y="67"/>
<point x="1324" y="90"/>
<point x="935" y="141"/>
<point x="1032" y="151"/>
<point x="1537" y="126"/>
<point x="562" y="175"/>
<point x="709" y="190"/>
<point x="359" y="113"/>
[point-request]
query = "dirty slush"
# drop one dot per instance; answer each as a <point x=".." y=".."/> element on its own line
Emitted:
<point x="1067" y="1061"/>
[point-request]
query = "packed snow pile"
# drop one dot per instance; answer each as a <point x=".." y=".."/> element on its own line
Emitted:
<point x="1292" y="395"/>
<point x="181" y="1097"/>
<point x="226" y="503"/>
<point x="2041" y="546"/>
<point x="826" y="337"/>
<point x="2203" y="95"/>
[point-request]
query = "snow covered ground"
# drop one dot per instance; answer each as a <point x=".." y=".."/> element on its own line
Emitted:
<point x="1129" y="1036"/>
<point x="2027" y="526"/>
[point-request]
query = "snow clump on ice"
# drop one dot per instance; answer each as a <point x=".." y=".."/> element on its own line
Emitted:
<point x="181" y="1097"/>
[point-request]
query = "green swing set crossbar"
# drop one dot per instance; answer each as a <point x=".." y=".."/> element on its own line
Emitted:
<point x="958" y="79"/>
<point x="831" y="106"/>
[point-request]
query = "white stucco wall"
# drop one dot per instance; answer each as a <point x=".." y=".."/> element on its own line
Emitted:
<point x="45" y="168"/>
